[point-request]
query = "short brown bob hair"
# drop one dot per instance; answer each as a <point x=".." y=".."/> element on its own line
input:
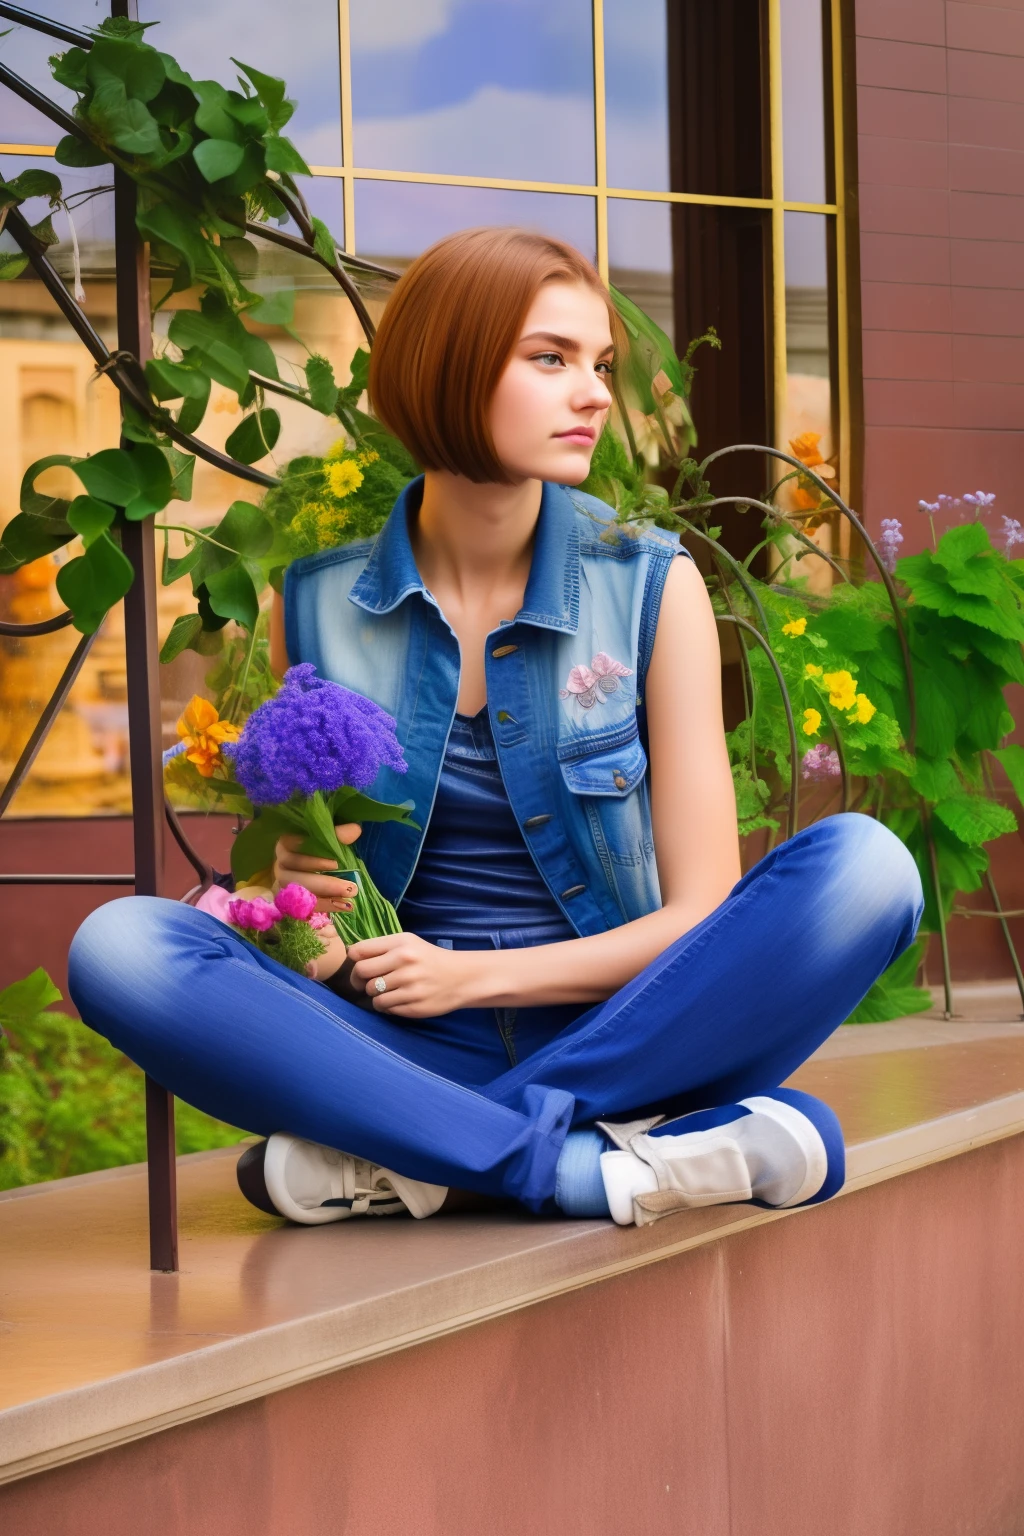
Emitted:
<point x="449" y="329"/>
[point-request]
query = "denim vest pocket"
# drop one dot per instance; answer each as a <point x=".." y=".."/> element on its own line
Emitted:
<point x="611" y="763"/>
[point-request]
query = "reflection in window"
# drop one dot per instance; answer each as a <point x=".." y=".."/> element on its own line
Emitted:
<point x="807" y="426"/>
<point x="636" y="94"/>
<point x="397" y="220"/>
<point x="803" y="101"/>
<point x="474" y="87"/>
<point x="303" y="49"/>
<point x="640" y="256"/>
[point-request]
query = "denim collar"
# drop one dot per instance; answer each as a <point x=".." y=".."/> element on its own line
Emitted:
<point x="552" y="596"/>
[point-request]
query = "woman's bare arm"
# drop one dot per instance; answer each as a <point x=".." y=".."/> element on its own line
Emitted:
<point x="695" y="835"/>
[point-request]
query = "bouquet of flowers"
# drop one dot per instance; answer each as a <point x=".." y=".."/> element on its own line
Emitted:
<point x="303" y="760"/>
<point x="286" y="925"/>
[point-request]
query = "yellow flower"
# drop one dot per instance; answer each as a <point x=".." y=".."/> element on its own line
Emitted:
<point x="343" y="477"/>
<point x="811" y="670"/>
<point x="202" y="732"/>
<point x="812" y="722"/>
<point x="842" y="689"/>
<point x="794" y="627"/>
<point x="864" y="709"/>
<point x="368" y="456"/>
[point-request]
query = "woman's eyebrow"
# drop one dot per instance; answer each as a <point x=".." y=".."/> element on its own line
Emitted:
<point x="563" y="343"/>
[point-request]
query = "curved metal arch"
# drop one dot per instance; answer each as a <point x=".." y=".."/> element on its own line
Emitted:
<point x="855" y="522"/>
<point x="792" y="819"/>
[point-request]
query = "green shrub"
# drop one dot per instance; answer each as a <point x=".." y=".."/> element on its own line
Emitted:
<point x="69" y="1102"/>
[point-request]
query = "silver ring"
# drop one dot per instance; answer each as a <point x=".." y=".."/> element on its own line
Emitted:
<point x="380" y="985"/>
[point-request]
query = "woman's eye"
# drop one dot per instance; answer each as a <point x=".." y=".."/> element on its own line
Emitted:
<point x="605" y="370"/>
<point x="548" y="358"/>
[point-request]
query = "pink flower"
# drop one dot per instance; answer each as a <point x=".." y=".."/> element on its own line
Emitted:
<point x="320" y="920"/>
<point x="589" y="685"/>
<point x="296" y="901"/>
<point x="256" y="914"/>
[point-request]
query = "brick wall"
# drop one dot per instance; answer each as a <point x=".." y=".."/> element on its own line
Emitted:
<point x="941" y="148"/>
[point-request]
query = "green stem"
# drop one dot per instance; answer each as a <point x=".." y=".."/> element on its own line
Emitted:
<point x="195" y="533"/>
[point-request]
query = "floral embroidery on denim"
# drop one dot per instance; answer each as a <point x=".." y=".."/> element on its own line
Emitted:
<point x="591" y="685"/>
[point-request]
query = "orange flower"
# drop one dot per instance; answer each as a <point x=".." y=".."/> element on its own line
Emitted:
<point x="202" y="732"/>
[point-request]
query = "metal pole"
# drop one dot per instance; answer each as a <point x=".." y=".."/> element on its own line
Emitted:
<point x="142" y="659"/>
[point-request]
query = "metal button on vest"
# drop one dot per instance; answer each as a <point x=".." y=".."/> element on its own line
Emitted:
<point x="535" y="821"/>
<point x="574" y="890"/>
<point x="620" y="782"/>
<point x="504" y="650"/>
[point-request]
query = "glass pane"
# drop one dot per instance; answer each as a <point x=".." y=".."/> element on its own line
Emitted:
<point x="640" y="256"/>
<point x="807" y="425"/>
<point x="53" y="402"/>
<point x="302" y="49"/>
<point x="26" y="52"/>
<point x="636" y="94"/>
<point x="396" y="220"/>
<point x="803" y="101"/>
<point x="499" y="88"/>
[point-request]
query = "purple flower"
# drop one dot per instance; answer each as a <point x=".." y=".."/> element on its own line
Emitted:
<point x="889" y="543"/>
<point x="1013" y="533"/>
<point x="929" y="507"/>
<point x="820" y="763"/>
<point x="313" y="735"/>
<point x="296" y="901"/>
<point x="981" y="500"/>
<point x="258" y="915"/>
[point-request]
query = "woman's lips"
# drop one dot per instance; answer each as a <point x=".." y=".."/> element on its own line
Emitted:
<point x="584" y="436"/>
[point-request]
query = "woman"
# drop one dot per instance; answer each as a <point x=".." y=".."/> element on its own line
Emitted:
<point x="590" y="1012"/>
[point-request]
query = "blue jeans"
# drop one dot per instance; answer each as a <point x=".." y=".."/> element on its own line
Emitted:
<point x="730" y="1009"/>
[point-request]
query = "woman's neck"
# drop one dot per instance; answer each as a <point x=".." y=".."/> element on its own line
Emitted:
<point x="472" y="540"/>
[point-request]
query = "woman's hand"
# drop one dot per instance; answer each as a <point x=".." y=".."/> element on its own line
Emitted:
<point x="422" y="979"/>
<point x="332" y="894"/>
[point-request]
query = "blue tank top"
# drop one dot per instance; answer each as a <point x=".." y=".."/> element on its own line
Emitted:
<point x="475" y="878"/>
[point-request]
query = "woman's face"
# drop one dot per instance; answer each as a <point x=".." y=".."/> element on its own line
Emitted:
<point x="552" y="399"/>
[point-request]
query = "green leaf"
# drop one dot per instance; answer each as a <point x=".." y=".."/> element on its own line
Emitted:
<point x="135" y="66"/>
<point x="12" y="265"/>
<point x="33" y="183"/>
<point x="73" y="151"/>
<point x="185" y="630"/>
<point x="173" y="568"/>
<point x="69" y="68"/>
<point x="27" y="538"/>
<point x="283" y="157"/>
<point x="218" y="158"/>
<point x="895" y="994"/>
<point x="277" y="308"/>
<point x="233" y="596"/>
<point x="353" y="390"/>
<point x="211" y="621"/>
<point x="1012" y="760"/>
<point x="90" y="517"/>
<point x="254" y="437"/>
<point x="23" y="1000"/>
<point x="271" y="92"/>
<point x="974" y="820"/>
<point x="190" y="328"/>
<point x="323" y="391"/>
<point x="45" y="232"/>
<point x="182" y="467"/>
<point x="94" y="582"/>
<point x="352" y="805"/>
<point x="190" y="418"/>
<point x="109" y="475"/>
<point x="41" y="503"/>
<point x="153" y="473"/>
<point x="245" y="529"/>
<point x="324" y="243"/>
<point x="173" y="381"/>
<point x="254" y="847"/>
<point x="167" y="223"/>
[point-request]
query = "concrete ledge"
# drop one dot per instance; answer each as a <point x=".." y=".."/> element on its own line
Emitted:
<point x="99" y="1352"/>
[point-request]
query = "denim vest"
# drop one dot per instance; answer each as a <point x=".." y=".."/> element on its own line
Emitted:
<point x="564" y="693"/>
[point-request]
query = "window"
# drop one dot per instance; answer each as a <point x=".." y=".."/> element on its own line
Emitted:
<point x="692" y="148"/>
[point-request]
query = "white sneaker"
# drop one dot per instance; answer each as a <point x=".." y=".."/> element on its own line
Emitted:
<point x="774" y="1154"/>
<point x="312" y="1184"/>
